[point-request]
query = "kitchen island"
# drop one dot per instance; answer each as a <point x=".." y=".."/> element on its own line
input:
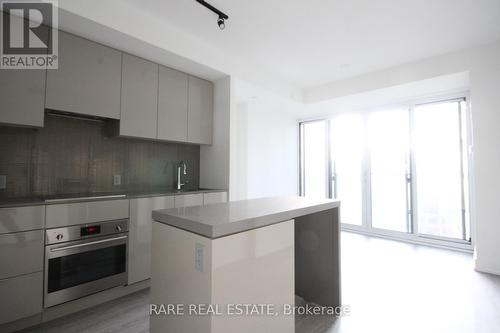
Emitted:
<point x="237" y="266"/>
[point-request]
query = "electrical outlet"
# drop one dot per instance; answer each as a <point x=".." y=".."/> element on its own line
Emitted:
<point x="3" y="182"/>
<point x="117" y="180"/>
<point x="198" y="257"/>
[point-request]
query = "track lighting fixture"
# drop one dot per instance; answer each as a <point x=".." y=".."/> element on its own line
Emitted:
<point x="221" y="21"/>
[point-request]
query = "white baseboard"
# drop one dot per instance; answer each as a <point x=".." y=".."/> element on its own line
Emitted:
<point x="485" y="270"/>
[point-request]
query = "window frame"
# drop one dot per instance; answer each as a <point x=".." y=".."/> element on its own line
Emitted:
<point x="412" y="236"/>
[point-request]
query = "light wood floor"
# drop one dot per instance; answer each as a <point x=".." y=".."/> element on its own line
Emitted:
<point x="389" y="286"/>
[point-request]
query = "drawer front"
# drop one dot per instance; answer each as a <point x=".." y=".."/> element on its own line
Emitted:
<point x="21" y="219"/>
<point x="63" y="215"/>
<point x="21" y="297"/>
<point x="213" y="198"/>
<point x="188" y="200"/>
<point x="21" y="253"/>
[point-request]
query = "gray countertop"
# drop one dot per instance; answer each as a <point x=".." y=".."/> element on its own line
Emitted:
<point x="223" y="219"/>
<point x="96" y="196"/>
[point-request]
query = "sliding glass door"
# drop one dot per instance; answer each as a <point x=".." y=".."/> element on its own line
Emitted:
<point x="397" y="171"/>
<point x="439" y="177"/>
<point x="389" y="137"/>
<point x="347" y="147"/>
<point x="313" y="146"/>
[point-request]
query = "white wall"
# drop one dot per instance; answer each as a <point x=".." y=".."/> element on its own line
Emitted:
<point x="485" y="97"/>
<point x="264" y="150"/>
<point x="402" y="94"/>
<point x="254" y="152"/>
<point x="483" y="66"/>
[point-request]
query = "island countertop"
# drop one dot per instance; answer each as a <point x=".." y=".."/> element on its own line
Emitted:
<point x="219" y="220"/>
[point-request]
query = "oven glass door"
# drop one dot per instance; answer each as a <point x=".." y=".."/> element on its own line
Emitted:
<point x="80" y="268"/>
<point x="75" y="269"/>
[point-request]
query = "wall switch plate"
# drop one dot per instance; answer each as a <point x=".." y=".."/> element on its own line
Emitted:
<point x="3" y="182"/>
<point x="117" y="180"/>
<point x="198" y="257"/>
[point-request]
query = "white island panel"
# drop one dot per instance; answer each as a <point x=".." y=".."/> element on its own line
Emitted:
<point x="251" y="267"/>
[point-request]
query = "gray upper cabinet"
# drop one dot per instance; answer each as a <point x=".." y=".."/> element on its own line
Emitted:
<point x="172" y="105"/>
<point x="200" y="111"/>
<point x="22" y="93"/>
<point x="88" y="78"/>
<point x="139" y="97"/>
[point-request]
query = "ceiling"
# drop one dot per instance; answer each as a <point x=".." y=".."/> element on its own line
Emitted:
<point x="313" y="42"/>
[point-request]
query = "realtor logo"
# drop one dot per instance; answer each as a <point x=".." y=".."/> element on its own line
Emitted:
<point x="29" y="35"/>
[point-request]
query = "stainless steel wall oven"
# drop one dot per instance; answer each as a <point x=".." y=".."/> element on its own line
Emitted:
<point x="84" y="259"/>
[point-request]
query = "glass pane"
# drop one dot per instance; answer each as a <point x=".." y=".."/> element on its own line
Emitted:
<point x="72" y="270"/>
<point x="347" y="147"/>
<point x="438" y="169"/>
<point x="388" y="137"/>
<point x="313" y="139"/>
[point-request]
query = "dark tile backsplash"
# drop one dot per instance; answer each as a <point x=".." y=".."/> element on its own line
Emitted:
<point x="73" y="155"/>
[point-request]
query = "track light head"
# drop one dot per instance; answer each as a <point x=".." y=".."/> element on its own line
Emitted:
<point x="221" y="23"/>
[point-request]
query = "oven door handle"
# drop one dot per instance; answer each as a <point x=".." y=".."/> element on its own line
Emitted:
<point x="87" y="244"/>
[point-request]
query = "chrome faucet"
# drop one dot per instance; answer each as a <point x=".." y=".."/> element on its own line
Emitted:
<point x="181" y="166"/>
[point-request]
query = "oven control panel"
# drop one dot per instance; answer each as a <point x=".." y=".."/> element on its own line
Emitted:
<point x="85" y="231"/>
<point x="90" y="230"/>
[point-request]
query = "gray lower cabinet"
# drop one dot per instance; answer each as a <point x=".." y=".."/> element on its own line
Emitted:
<point x="172" y="105"/>
<point x="21" y="253"/>
<point x="139" y="98"/>
<point x="18" y="219"/>
<point x="200" y="111"/>
<point x="63" y="215"/>
<point x="188" y="200"/>
<point x="21" y="262"/>
<point x="21" y="297"/>
<point x="140" y="233"/>
<point x="214" y="198"/>
<point x="141" y="223"/>
<point x="88" y="79"/>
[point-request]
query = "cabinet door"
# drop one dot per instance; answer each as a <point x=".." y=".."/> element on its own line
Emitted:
<point x="21" y="253"/>
<point x="172" y="105"/>
<point x="17" y="219"/>
<point x="140" y="234"/>
<point x="200" y="113"/>
<point x="22" y="93"/>
<point x="139" y="98"/>
<point x="87" y="80"/>
<point x="63" y="215"/>
<point x="214" y="197"/>
<point x="21" y="297"/>
<point x="187" y="200"/>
